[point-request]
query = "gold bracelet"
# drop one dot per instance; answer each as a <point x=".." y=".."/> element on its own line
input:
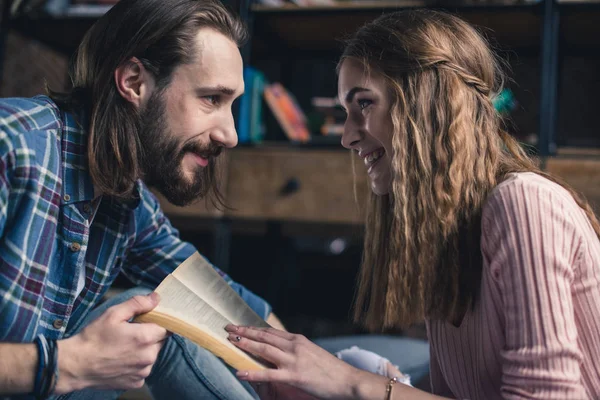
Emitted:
<point x="388" y="389"/>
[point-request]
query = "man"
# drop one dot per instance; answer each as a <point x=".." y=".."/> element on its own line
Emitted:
<point x="154" y="82"/>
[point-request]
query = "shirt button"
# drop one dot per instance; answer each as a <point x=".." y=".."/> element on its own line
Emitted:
<point x="66" y="197"/>
<point x="75" y="246"/>
<point x="87" y="208"/>
<point x="58" y="323"/>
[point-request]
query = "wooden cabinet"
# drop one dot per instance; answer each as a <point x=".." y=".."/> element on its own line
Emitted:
<point x="284" y="184"/>
<point x="583" y="174"/>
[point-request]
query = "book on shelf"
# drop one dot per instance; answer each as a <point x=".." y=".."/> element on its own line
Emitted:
<point x="19" y="8"/>
<point x="271" y="3"/>
<point x="250" y="125"/>
<point x="309" y="3"/>
<point x="79" y="8"/>
<point x="288" y="113"/>
<point x="332" y="114"/>
<point x="197" y="303"/>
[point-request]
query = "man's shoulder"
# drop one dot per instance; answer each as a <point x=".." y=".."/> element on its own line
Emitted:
<point x="19" y="115"/>
<point x="146" y="199"/>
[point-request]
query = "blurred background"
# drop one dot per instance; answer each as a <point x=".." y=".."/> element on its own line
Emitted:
<point x="293" y="232"/>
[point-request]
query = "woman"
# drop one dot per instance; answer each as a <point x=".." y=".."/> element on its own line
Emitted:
<point x="463" y="230"/>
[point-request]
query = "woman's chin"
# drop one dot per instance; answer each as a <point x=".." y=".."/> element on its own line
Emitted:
<point x="380" y="180"/>
<point x="380" y="190"/>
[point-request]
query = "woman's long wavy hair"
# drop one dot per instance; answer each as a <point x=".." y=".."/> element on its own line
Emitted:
<point x="161" y="34"/>
<point x="422" y="254"/>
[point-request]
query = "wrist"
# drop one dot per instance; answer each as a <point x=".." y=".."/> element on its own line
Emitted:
<point x="366" y="386"/>
<point x="70" y="365"/>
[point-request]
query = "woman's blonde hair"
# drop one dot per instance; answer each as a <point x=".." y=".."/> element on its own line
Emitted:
<point x="422" y="253"/>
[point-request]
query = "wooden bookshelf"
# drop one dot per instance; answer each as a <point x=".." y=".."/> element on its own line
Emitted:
<point x="579" y="152"/>
<point x="581" y="171"/>
<point x="319" y="28"/>
<point x="340" y="6"/>
<point x="579" y="2"/>
<point x="323" y="194"/>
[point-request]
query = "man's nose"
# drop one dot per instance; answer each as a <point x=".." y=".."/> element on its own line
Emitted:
<point x="226" y="134"/>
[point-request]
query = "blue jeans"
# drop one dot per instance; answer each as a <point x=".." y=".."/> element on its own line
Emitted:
<point x="184" y="370"/>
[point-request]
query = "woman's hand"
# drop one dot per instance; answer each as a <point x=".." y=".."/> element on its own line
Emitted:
<point x="300" y="363"/>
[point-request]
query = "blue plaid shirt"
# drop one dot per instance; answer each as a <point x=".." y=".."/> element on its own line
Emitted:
<point x="46" y="239"/>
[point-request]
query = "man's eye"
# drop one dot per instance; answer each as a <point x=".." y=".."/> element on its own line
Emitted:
<point x="214" y="100"/>
<point x="364" y="103"/>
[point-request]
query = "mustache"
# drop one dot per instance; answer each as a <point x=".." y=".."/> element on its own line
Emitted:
<point x="210" y="151"/>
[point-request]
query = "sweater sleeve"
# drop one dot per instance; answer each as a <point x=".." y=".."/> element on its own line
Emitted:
<point x="532" y="246"/>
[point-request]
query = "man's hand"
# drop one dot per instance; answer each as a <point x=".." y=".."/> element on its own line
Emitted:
<point x="111" y="353"/>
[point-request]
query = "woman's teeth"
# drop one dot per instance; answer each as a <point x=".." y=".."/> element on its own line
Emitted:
<point x="374" y="156"/>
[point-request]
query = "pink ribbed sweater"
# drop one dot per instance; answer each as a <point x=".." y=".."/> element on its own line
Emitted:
<point x="535" y="332"/>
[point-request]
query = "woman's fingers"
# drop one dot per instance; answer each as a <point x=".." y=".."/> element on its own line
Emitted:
<point x="273" y="331"/>
<point x="272" y="336"/>
<point x="264" y="375"/>
<point x="263" y="350"/>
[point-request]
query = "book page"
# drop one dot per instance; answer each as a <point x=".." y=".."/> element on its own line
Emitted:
<point x="178" y="301"/>
<point x="202" y="279"/>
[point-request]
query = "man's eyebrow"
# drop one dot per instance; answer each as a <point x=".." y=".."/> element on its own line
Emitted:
<point x="216" y="89"/>
<point x="353" y="91"/>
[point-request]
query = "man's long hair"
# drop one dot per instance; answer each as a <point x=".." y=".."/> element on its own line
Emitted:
<point x="422" y="253"/>
<point x="161" y="34"/>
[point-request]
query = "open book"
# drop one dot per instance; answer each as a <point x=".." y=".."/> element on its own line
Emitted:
<point x="197" y="303"/>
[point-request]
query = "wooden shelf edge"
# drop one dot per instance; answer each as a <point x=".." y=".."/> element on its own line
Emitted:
<point x="379" y="5"/>
<point x="578" y="152"/>
<point x="578" y="2"/>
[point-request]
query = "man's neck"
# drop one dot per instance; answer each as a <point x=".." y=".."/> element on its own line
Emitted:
<point x="97" y="193"/>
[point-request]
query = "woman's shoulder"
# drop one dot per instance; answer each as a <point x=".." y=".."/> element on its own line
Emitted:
<point x="528" y="206"/>
<point x="528" y="181"/>
<point x="529" y="191"/>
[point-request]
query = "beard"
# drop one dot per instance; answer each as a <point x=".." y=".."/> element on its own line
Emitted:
<point x="163" y="155"/>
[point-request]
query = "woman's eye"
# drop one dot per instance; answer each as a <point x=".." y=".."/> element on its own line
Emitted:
<point x="364" y="103"/>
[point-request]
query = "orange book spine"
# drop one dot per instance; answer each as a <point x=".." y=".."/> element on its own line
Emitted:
<point x="286" y="112"/>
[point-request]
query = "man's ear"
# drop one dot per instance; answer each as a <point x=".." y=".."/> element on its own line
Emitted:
<point x="134" y="82"/>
